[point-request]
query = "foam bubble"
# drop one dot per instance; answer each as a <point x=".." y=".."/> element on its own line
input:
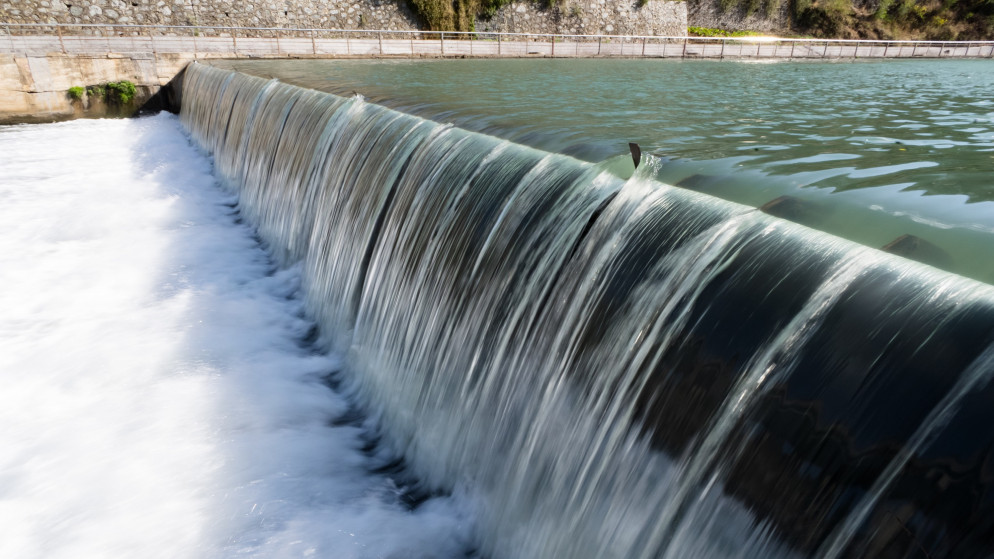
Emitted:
<point x="156" y="399"/>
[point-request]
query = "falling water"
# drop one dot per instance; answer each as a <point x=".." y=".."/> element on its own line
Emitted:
<point x="616" y="368"/>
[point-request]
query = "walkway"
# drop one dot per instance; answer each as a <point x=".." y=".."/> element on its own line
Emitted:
<point x="292" y="43"/>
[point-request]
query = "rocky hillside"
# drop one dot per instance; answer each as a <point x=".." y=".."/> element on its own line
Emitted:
<point x="850" y="19"/>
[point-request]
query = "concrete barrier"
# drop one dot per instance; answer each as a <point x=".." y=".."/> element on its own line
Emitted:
<point x="34" y="87"/>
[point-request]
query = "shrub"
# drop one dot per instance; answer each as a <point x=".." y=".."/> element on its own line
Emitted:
<point x="76" y="92"/>
<point x="437" y="14"/>
<point x="121" y="92"/>
<point x="881" y="12"/>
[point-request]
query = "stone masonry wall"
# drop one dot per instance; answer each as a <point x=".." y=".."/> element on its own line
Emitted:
<point x="591" y="17"/>
<point x="656" y="17"/>
<point x="709" y="13"/>
<point x="320" y="14"/>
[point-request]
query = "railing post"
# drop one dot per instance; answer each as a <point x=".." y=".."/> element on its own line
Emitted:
<point x="279" y="51"/>
<point x="721" y="56"/>
<point x="792" y="45"/>
<point x="58" y="29"/>
<point x="379" y="37"/>
<point x="599" y="45"/>
<point x="133" y="48"/>
<point x="643" y="47"/>
<point x="499" y="35"/>
<point x="684" y="54"/>
<point x="10" y="38"/>
<point x="553" y="46"/>
<point x="195" y="49"/>
<point x="442" y="47"/>
<point x="412" y="43"/>
<point x="348" y="44"/>
<point x="314" y="45"/>
<point x="914" y="49"/>
<point x="886" y="46"/>
<point x="472" y="39"/>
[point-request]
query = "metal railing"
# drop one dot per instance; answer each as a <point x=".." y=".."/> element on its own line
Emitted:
<point x="267" y="42"/>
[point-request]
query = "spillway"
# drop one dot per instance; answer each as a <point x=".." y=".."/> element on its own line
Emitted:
<point x="617" y="368"/>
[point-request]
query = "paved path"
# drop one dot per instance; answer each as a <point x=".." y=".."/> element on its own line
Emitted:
<point x="393" y="45"/>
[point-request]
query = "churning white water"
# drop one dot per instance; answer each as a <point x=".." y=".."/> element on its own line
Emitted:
<point x="157" y="398"/>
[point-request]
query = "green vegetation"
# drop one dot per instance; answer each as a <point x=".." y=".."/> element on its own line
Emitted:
<point x="121" y="92"/>
<point x="460" y="15"/>
<point x="457" y="15"/>
<point x="708" y="32"/>
<point x="879" y="19"/>
<point x="112" y="93"/>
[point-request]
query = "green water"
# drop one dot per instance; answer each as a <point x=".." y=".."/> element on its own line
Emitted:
<point x="869" y="151"/>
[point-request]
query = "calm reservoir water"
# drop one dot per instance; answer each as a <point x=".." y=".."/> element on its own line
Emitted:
<point x="869" y="151"/>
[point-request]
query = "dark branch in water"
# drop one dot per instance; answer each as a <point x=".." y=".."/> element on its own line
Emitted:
<point x="636" y="153"/>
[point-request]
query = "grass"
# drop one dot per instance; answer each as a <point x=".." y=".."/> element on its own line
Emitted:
<point x="709" y="32"/>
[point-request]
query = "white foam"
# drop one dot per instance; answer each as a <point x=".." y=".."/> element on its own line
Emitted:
<point x="154" y="398"/>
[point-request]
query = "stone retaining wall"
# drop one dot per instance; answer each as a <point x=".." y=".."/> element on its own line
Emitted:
<point x="656" y="17"/>
<point x="773" y="16"/>
<point x="337" y="14"/>
<point x="591" y="17"/>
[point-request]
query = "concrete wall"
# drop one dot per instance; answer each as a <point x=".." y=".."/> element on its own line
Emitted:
<point x="35" y="88"/>
<point x="591" y="17"/>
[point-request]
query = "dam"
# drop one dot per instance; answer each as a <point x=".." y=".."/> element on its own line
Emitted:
<point x="585" y="362"/>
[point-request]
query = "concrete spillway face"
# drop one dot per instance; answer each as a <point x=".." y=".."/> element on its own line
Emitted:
<point x="618" y="368"/>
